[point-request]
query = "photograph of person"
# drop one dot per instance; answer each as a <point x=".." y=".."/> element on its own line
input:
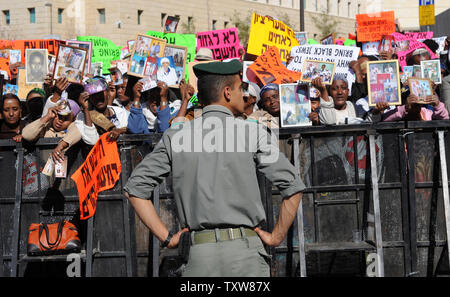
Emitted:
<point x="421" y="88"/>
<point x="301" y="38"/>
<point x="417" y="71"/>
<point x="384" y="82"/>
<point x="166" y="71"/>
<point x="322" y="69"/>
<point x="295" y="105"/>
<point x="144" y="47"/>
<point x="36" y="65"/>
<point x="171" y="24"/>
<point x="370" y="48"/>
<point x="150" y="68"/>
<point x="70" y="63"/>
<point x="178" y="53"/>
<point x="86" y="45"/>
<point x="116" y="76"/>
<point x="328" y="39"/>
<point x="431" y="69"/>
<point x="15" y="56"/>
<point x="408" y="72"/>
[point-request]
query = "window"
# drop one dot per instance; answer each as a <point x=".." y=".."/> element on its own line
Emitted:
<point x="163" y="16"/>
<point x="7" y="17"/>
<point x="214" y="24"/>
<point x="102" y="15"/>
<point x="32" y="12"/>
<point x="359" y="8"/>
<point x="349" y="5"/>
<point x="338" y="6"/>
<point x="190" y="22"/>
<point x="139" y="16"/>
<point x="60" y="12"/>
<point x="225" y="24"/>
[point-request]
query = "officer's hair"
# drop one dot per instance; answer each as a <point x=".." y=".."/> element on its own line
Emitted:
<point x="210" y="87"/>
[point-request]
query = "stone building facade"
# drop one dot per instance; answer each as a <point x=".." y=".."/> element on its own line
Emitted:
<point x="120" y="21"/>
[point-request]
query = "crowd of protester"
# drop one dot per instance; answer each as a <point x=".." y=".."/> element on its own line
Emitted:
<point x="66" y="110"/>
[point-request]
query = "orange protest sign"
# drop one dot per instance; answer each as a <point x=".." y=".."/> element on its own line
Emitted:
<point x="98" y="173"/>
<point x="372" y="27"/>
<point x="4" y="65"/>
<point x="268" y="68"/>
<point x="50" y="44"/>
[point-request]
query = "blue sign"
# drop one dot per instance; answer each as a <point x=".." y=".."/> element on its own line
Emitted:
<point x="426" y="2"/>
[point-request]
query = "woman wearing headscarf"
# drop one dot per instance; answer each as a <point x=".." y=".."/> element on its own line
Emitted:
<point x="34" y="104"/>
<point x="11" y="124"/>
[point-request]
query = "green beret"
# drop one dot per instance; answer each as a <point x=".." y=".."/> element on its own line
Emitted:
<point x="218" y="68"/>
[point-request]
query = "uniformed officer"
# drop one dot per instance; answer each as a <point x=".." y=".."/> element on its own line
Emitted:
<point x="213" y="160"/>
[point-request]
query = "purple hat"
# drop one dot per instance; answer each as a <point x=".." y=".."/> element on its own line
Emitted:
<point x="67" y="106"/>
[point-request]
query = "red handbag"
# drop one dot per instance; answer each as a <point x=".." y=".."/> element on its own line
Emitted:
<point x="53" y="239"/>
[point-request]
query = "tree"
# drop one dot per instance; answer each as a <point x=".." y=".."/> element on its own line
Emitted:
<point x="243" y="25"/>
<point x="325" y="23"/>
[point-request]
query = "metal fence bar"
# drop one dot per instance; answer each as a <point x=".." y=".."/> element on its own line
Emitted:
<point x="445" y="191"/>
<point x="376" y="203"/>
<point x="155" y="240"/>
<point x="412" y="202"/>
<point x="17" y="212"/>
<point x="300" y="230"/>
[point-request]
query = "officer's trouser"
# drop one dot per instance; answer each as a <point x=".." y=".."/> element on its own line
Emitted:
<point x="243" y="257"/>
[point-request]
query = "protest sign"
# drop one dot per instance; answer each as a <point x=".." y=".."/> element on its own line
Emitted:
<point x="266" y="32"/>
<point x="419" y="35"/>
<point x="24" y="88"/>
<point x="413" y="45"/>
<point x="372" y="27"/>
<point x="103" y="50"/>
<point x="4" y="65"/>
<point x="50" y="44"/>
<point x="268" y="68"/>
<point x="187" y="40"/>
<point x="98" y="173"/>
<point x="192" y="77"/>
<point x="339" y="54"/>
<point x="224" y="44"/>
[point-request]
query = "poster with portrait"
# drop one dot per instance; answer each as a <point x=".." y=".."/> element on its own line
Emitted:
<point x="36" y="65"/>
<point x="24" y="88"/>
<point x="11" y="89"/>
<point x="145" y="47"/>
<point x="179" y="55"/>
<point x="327" y="40"/>
<point x="171" y="24"/>
<point x="295" y="105"/>
<point x="384" y="82"/>
<point x="417" y="71"/>
<point x="86" y="45"/>
<point x="313" y="69"/>
<point x="421" y="88"/>
<point x="97" y="69"/>
<point x="166" y="71"/>
<point x="51" y="63"/>
<point x="15" y="56"/>
<point x="302" y="37"/>
<point x="70" y="63"/>
<point x="408" y="72"/>
<point x="370" y="48"/>
<point x="431" y="69"/>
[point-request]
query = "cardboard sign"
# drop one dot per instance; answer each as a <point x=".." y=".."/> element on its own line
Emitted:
<point x="192" y="77"/>
<point x="419" y="35"/>
<point x="187" y="40"/>
<point x="372" y="27"/>
<point x="103" y="50"/>
<point x="24" y="88"/>
<point x="223" y="43"/>
<point x="268" y="68"/>
<point x="98" y="173"/>
<point x="413" y="45"/>
<point x="266" y="32"/>
<point x="339" y="54"/>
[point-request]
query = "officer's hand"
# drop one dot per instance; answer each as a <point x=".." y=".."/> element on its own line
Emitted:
<point x="176" y="239"/>
<point x="268" y="238"/>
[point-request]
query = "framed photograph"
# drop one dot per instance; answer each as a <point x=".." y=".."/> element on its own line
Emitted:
<point x="171" y="24"/>
<point x="116" y="76"/>
<point x="295" y="105"/>
<point x="246" y="64"/>
<point x="36" y="65"/>
<point x="384" y="82"/>
<point x="70" y="63"/>
<point x="408" y="72"/>
<point x="51" y="63"/>
<point x="179" y="55"/>
<point x="302" y="37"/>
<point x="144" y="48"/>
<point x="370" y="48"/>
<point x="431" y="69"/>
<point x="327" y="39"/>
<point x="13" y="89"/>
<point x="130" y="44"/>
<point x="417" y="71"/>
<point x="420" y="87"/>
<point x="15" y="56"/>
<point x="148" y="83"/>
<point x="313" y="69"/>
<point x="86" y="45"/>
<point x="166" y="71"/>
<point x="97" y="69"/>
<point x="387" y="42"/>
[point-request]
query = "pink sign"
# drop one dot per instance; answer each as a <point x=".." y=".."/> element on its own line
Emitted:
<point x="413" y="45"/>
<point x="419" y="35"/>
<point x="223" y="43"/>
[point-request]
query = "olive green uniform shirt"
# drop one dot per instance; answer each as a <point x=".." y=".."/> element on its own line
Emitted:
<point x="215" y="188"/>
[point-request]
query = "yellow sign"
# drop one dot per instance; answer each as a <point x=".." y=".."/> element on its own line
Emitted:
<point x="426" y="15"/>
<point x="266" y="32"/>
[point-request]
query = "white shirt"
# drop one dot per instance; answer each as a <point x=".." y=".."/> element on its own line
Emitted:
<point x="170" y="78"/>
